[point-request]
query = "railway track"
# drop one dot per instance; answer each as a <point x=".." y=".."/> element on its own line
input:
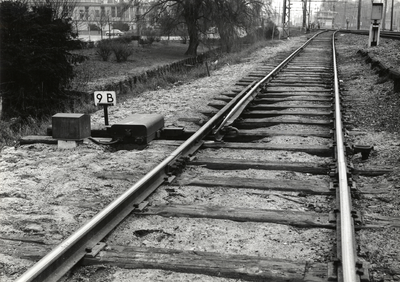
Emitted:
<point x="261" y="192"/>
<point x="385" y="34"/>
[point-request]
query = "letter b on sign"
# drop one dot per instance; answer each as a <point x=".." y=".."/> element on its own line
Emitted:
<point x="105" y="98"/>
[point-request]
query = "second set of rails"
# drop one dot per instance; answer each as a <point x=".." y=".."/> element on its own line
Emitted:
<point x="284" y="129"/>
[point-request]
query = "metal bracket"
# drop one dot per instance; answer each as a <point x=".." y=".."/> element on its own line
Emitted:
<point x="332" y="217"/>
<point x="353" y="187"/>
<point x="140" y="207"/>
<point x="332" y="172"/>
<point x="228" y="131"/>
<point x="92" y="252"/>
<point x="332" y="186"/>
<point x="357" y="217"/>
<point x="362" y="271"/>
<point x="169" y="179"/>
<point x="332" y="271"/>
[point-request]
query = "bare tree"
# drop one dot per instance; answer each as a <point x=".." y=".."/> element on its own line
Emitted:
<point x="229" y="16"/>
<point x="236" y="18"/>
<point x="78" y="21"/>
<point x="62" y="9"/>
<point x="102" y="20"/>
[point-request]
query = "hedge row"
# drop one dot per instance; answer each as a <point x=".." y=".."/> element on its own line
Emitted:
<point x="128" y="84"/>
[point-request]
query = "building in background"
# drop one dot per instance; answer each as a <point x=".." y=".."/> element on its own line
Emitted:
<point x="326" y="19"/>
<point x="104" y="15"/>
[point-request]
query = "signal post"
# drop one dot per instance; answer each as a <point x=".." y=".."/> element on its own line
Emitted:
<point x="375" y="28"/>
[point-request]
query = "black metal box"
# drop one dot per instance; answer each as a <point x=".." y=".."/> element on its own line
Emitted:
<point x="137" y="128"/>
<point x="69" y="126"/>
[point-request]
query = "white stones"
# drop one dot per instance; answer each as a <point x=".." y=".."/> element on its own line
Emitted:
<point x="62" y="144"/>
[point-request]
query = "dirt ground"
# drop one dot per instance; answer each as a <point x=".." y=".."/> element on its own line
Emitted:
<point x="373" y="115"/>
<point x="47" y="193"/>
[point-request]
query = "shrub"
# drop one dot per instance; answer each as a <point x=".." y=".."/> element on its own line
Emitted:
<point x="134" y="37"/>
<point x="104" y="49"/>
<point x="121" y="26"/>
<point x="271" y="30"/>
<point x="121" y="51"/>
<point x="122" y="39"/>
<point x="94" y="27"/>
<point x="35" y="66"/>
<point x="148" y="40"/>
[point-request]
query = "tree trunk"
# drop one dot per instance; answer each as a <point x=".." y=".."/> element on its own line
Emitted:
<point x="191" y="10"/>
<point x="194" y="40"/>
<point x="3" y="108"/>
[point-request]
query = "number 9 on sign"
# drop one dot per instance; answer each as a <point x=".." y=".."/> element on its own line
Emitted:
<point x="105" y="98"/>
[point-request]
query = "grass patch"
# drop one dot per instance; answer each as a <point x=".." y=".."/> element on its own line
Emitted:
<point x="11" y="131"/>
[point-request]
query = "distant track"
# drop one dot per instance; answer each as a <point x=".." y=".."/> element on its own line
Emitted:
<point x="385" y="34"/>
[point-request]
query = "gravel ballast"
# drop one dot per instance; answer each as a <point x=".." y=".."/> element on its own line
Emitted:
<point x="47" y="193"/>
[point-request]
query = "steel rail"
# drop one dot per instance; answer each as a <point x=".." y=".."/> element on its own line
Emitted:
<point x="346" y="220"/>
<point x="68" y="253"/>
<point x="63" y="257"/>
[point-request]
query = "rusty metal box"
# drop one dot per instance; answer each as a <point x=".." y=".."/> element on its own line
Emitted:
<point x="69" y="126"/>
<point x="137" y="128"/>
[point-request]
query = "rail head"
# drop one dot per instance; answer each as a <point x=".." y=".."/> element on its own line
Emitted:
<point x="346" y="221"/>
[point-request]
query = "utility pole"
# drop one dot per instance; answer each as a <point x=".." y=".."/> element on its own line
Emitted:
<point x="284" y="14"/>
<point x="384" y="15"/>
<point x="359" y="15"/>
<point x="309" y="14"/>
<point x="286" y="17"/>
<point x="304" y="15"/>
<point x="391" y="17"/>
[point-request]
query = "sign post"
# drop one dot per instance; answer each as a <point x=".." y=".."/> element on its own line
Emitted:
<point x="105" y="99"/>
<point x="375" y="28"/>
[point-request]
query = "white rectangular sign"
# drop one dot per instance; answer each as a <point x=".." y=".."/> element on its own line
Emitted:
<point x="105" y="98"/>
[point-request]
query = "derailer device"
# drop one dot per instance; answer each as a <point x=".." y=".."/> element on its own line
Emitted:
<point x="137" y="129"/>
